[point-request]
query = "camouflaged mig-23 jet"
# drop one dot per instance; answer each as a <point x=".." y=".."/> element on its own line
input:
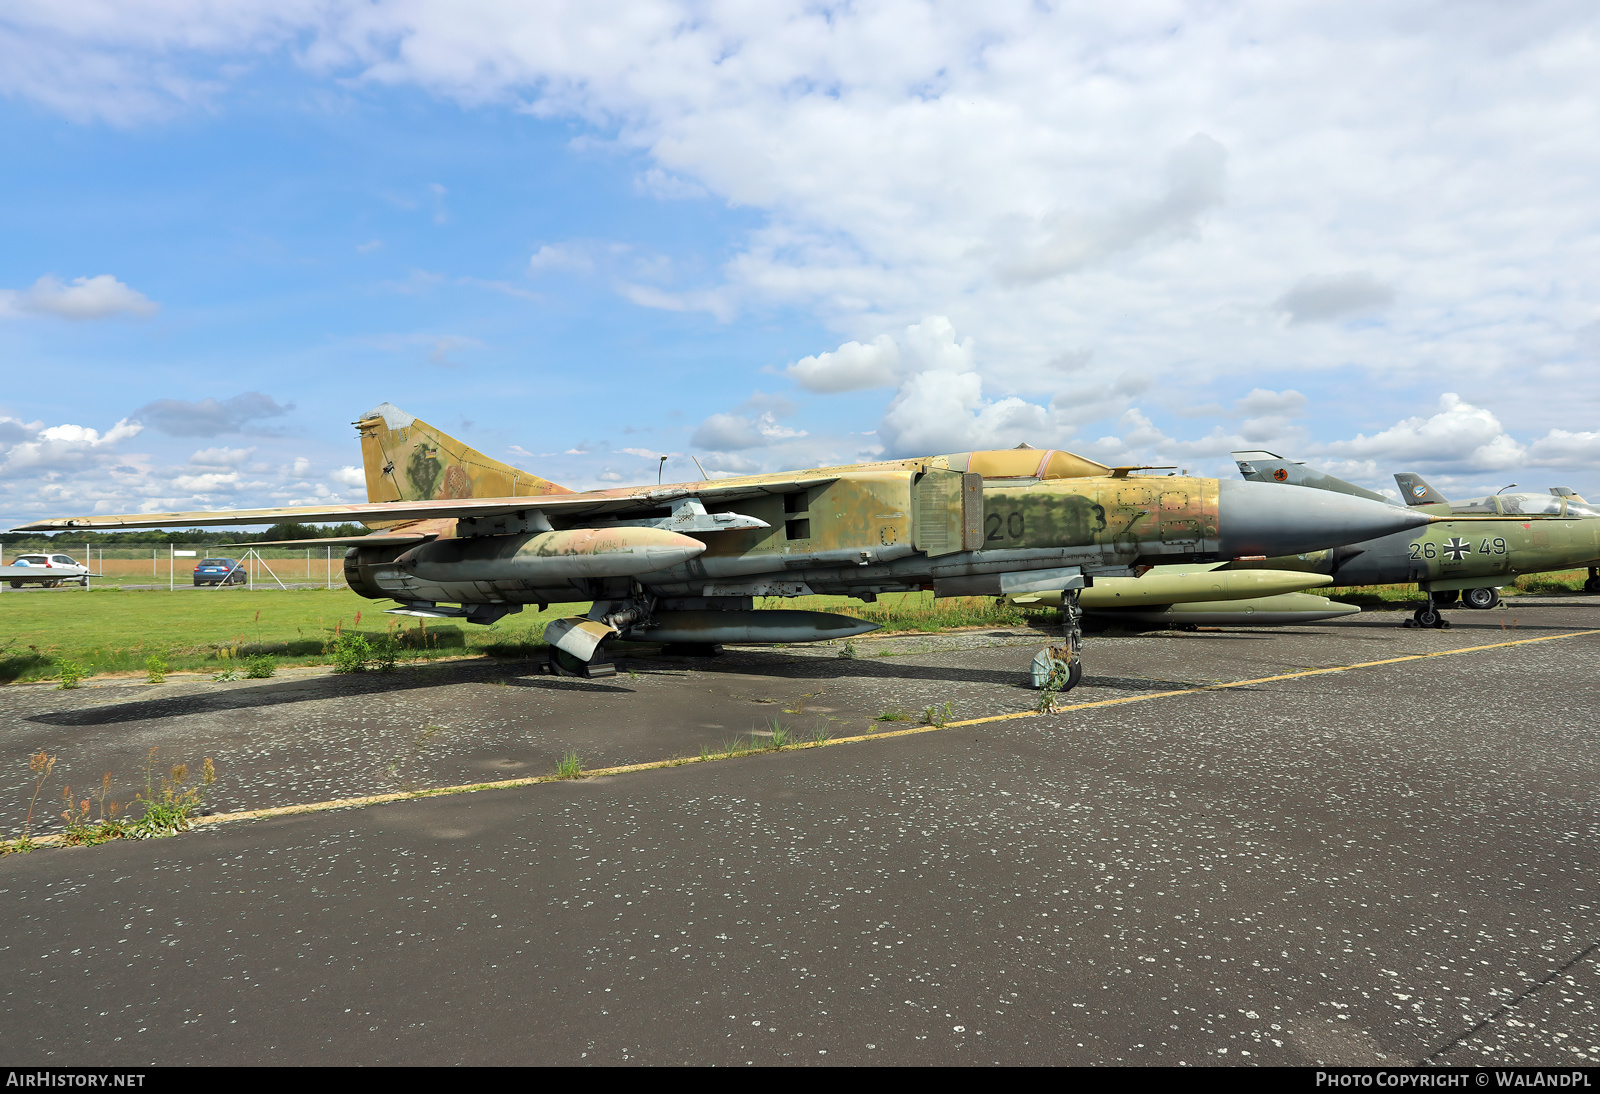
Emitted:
<point x="1492" y="540"/>
<point x="460" y="535"/>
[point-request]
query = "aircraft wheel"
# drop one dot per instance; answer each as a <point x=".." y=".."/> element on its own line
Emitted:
<point x="563" y="663"/>
<point x="1428" y="617"/>
<point x="1055" y="661"/>
<point x="1482" y="599"/>
<point x="1592" y="585"/>
<point x="15" y="584"/>
<point x="84" y="581"/>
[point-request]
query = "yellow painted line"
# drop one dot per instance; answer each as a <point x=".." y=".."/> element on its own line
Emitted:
<point x="626" y="769"/>
<point x="1269" y="679"/>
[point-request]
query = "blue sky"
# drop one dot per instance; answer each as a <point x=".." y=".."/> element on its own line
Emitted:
<point x="774" y="236"/>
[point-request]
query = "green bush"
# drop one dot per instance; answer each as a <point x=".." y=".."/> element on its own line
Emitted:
<point x="155" y="669"/>
<point x="71" y="672"/>
<point x="350" y="653"/>
<point x="385" y="652"/>
<point x="260" y="666"/>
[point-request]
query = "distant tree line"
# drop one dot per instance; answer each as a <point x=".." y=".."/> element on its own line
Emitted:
<point x="162" y="537"/>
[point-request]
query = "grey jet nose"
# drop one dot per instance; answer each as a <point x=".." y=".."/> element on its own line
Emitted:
<point x="1263" y="518"/>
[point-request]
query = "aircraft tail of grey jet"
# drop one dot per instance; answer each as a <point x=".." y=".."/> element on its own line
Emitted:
<point x="1270" y="467"/>
<point x="1416" y="491"/>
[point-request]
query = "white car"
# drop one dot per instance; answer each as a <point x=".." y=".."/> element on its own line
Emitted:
<point x="52" y="570"/>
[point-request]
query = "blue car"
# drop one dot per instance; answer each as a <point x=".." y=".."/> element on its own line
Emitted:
<point x="219" y="571"/>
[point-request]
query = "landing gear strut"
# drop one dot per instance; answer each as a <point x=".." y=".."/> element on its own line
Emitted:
<point x="1060" y="668"/>
<point x="1593" y="584"/>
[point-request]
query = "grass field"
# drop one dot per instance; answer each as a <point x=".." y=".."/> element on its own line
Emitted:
<point x="108" y="630"/>
<point x="113" y="630"/>
<point x="1377" y="596"/>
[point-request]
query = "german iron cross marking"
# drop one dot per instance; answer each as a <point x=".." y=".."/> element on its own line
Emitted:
<point x="1456" y="548"/>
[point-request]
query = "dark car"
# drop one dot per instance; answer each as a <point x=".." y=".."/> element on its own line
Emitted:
<point x="219" y="571"/>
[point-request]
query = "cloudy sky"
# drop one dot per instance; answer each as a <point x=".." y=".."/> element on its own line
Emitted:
<point x="775" y="235"/>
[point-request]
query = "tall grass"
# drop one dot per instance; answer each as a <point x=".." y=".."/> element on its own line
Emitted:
<point x="1559" y="581"/>
<point x="921" y="611"/>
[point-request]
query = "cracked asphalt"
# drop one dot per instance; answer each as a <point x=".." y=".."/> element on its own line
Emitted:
<point x="1389" y="865"/>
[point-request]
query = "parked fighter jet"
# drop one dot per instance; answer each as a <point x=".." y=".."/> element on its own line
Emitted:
<point x="1464" y="558"/>
<point x="463" y="535"/>
<point x="1561" y="502"/>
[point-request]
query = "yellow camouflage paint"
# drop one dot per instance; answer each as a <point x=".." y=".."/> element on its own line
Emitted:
<point x="406" y="459"/>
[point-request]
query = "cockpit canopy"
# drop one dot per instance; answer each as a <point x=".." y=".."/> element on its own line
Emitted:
<point x="1526" y="505"/>
<point x="1024" y="463"/>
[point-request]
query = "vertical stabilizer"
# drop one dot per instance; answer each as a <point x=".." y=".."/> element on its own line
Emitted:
<point x="1416" y="491"/>
<point x="406" y="459"/>
<point x="1270" y="467"/>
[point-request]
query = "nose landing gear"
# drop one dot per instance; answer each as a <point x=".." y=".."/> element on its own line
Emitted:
<point x="1060" y="668"/>
<point x="1429" y="616"/>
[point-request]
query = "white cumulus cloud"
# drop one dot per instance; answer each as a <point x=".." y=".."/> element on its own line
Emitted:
<point x="84" y="298"/>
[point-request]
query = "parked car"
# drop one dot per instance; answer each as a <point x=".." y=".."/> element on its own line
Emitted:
<point x="219" y="571"/>
<point x="53" y="570"/>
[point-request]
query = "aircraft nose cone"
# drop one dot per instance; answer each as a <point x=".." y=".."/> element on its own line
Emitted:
<point x="1261" y="518"/>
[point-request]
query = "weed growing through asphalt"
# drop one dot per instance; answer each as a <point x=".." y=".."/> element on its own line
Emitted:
<point x="848" y="651"/>
<point x="893" y="714"/>
<point x="169" y="806"/>
<point x="227" y="674"/>
<point x="155" y="669"/>
<point x="41" y="764"/>
<point x="72" y="674"/>
<point x="782" y="735"/>
<point x="569" y="766"/>
<point x="1050" y="694"/>
<point x="939" y="715"/>
<point x="82" y="831"/>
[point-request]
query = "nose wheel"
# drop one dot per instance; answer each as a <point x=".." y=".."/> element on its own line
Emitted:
<point x="563" y="663"/>
<point x="1060" y="668"/>
<point x="1429" y="617"/>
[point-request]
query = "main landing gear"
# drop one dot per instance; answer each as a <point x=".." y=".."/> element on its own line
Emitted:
<point x="1060" y="668"/>
<point x="1593" y="584"/>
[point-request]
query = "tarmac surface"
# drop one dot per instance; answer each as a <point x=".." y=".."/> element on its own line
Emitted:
<point x="1388" y="865"/>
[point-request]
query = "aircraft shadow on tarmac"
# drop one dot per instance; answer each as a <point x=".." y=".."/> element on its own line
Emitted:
<point x="516" y="675"/>
<point x="312" y="690"/>
<point x="820" y="668"/>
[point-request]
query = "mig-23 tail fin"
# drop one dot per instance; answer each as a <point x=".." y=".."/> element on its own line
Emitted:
<point x="1271" y="467"/>
<point x="1416" y="491"/>
<point x="406" y="459"/>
